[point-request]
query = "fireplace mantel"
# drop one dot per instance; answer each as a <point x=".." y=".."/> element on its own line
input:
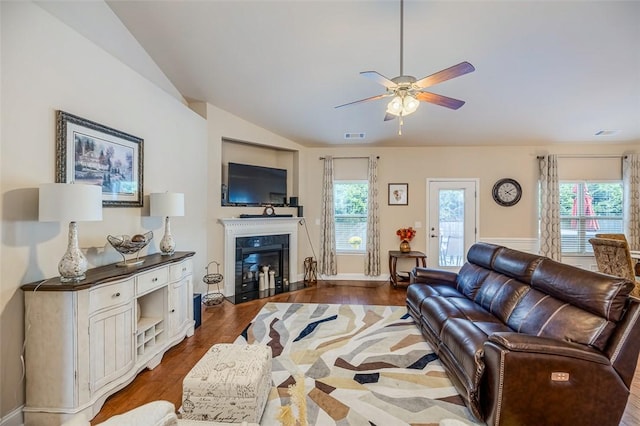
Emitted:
<point x="247" y="227"/>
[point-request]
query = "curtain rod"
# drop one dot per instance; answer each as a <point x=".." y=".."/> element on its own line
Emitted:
<point x="540" y="157"/>
<point x="349" y="158"/>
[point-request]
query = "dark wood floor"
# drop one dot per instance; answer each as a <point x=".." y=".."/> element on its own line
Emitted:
<point x="223" y="323"/>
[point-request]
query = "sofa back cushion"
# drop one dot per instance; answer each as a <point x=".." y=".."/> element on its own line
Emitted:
<point x="600" y="294"/>
<point x="498" y="290"/>
<point x="516" y="264"/>
<point x="571" y="304"/>
<point x="473" y="273"/>
<point x="500" y="294"/>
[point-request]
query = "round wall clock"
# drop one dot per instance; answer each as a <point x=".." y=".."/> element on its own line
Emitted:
<point x="507" y="192"/>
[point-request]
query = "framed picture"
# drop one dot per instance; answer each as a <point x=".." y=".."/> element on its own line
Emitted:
<point x="398" y="194"/>
<point x="90" y="153"/>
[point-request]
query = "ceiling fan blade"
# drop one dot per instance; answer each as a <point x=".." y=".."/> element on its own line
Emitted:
<point x="388" y="117"/>
<point x="379" y="78"/>
<point x="446" y="74"/>
<point x="372" y="98"/>
<point x="439" y="100"/>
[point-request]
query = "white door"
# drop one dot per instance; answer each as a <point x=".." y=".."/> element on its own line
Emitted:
<point x="452" y="218"/>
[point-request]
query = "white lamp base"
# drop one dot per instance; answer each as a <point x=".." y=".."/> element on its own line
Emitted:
<point x="73" y="265"/>
<point x="167" y="244"/>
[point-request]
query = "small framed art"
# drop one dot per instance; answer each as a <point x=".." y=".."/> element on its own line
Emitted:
<point x="398" y="194"/>
<point x="90" y="153"/>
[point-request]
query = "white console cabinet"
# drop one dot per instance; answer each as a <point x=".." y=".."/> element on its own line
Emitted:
<point x="87" y="340"/>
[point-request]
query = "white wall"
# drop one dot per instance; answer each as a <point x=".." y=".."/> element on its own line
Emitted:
<point x="46" y="66"/>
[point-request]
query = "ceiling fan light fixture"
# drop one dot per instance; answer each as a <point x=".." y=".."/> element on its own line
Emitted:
<point x="402" y="105"/>
<point x="409" y="105"/>
<point x="396" y="106"/>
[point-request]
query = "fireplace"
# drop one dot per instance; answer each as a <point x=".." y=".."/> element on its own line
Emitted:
<point x="250" y="243"/>
<point x="252" y="255"/>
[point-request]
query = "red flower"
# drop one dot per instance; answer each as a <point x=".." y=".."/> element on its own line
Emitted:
<point x="406" y="233"/>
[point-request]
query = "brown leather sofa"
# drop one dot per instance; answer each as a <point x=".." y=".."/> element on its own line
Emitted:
<point x="530" y="341"/>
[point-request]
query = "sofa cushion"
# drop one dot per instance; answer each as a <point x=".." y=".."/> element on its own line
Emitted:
<point x="470" y="279"/>
<point x="437" y="310"/>
<point x="543" y="315"/>
<point x="516" y="264"/>
<point x="500" y="294"/>
<point x="600" y="294"/>
<point x="482" y="254"/>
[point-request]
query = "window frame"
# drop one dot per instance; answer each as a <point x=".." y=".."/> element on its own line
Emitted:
<point x="340" y="249"/>
<point x="582" y="243"/>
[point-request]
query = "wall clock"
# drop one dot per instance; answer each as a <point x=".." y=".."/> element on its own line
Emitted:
<point x="507" y="192"/>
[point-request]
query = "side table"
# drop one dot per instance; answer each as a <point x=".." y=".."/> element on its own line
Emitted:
<point x="394" y="255"/>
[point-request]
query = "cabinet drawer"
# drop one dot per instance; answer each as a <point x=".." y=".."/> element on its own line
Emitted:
<point x="110" y="295"/>
<point x="180" y="270"/>
<point x="151" y="280"/>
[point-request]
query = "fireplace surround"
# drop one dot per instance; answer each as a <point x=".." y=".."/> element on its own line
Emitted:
<point x="259" y="241"/>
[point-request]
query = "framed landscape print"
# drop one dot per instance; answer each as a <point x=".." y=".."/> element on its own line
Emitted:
<point x="398" y="194"/>
<point x="90" y="153"/>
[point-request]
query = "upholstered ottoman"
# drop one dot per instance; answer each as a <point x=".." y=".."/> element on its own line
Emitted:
<point x="231" y="384"/>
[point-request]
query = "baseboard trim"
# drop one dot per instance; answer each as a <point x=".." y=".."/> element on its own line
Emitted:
<point x="354" y="277"/>
<point x="14" y="418"/>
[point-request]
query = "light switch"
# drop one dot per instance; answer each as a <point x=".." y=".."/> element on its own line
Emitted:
<point x="417" y="225"/>
<point x="318" y="222"/>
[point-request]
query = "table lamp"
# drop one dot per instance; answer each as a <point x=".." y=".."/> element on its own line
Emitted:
<point x="167" y="204"/>
<point x="67" y="202"/>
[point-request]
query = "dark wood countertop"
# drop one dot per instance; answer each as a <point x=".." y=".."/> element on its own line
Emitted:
<point x="108" y="273"/>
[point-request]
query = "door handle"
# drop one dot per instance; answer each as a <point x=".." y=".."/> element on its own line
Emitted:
<point x="433" y="236"/>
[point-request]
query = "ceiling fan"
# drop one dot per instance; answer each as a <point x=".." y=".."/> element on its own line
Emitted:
<point x="407" y="92"/>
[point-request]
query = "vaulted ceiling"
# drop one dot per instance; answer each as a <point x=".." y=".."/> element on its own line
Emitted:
<point x="547" y="72"/>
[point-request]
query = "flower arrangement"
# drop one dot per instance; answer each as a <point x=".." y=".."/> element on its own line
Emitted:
<point x="355" y="240"/>
<point x="406" y="233"/>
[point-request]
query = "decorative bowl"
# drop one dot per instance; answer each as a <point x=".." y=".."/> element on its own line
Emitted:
<point x="125" y="245"/>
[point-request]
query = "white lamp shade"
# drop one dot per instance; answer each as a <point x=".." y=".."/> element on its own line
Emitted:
<point x="166" y="204"/>
<point x="67" y="202"/>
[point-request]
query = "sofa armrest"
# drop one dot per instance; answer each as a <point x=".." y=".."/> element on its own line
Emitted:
<point x="518" y="366"/>
<point x="519" y="342"/>
<point x="433" y="276"/>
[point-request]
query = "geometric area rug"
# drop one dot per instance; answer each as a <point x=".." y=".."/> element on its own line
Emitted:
<point x="363" y="365"/>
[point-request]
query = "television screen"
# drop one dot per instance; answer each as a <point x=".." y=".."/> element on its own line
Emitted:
<point x="256" y="185"/>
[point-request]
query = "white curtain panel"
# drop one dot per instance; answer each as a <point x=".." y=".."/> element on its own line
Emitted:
<point x="327" y="262"/>
<point x="550" y="240"/>
<point x="631" y="184"/>
<point x="372" y="257"/>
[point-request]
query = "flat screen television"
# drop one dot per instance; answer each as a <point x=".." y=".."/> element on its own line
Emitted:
<point x="256" y="185"/>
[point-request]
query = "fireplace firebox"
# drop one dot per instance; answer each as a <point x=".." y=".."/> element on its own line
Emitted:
<point x="252" y="254"/>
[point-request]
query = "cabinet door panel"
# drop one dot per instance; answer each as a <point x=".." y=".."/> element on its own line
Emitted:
<point x="111" y="345"/>
<point x="178" y="306"/>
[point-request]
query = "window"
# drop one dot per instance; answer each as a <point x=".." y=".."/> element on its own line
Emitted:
<point x="587" y="208"/>
<point x="350" y="204"/>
